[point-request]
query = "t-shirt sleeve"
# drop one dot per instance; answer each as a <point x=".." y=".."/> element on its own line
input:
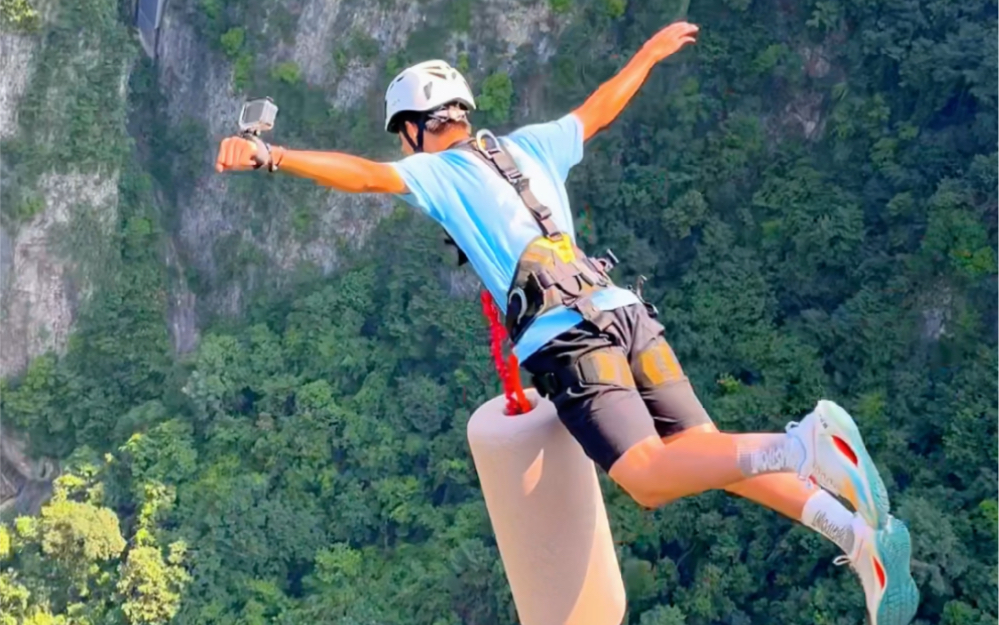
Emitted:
<point x="558" y="143"/>
<point x="420" y="172"/>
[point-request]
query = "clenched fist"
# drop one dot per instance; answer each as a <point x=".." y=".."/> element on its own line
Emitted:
<point x="670" y="39"/>
<point x="236" y="154"/>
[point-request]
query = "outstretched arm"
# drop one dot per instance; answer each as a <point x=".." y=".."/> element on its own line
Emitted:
<point x="343" y="172"/>
<point x="607" y="102"/>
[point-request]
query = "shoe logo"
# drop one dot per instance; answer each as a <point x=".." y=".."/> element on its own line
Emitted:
<point x="842" y="536"/>
<point x="824" y="479"/>
<point x="768" y="460"/>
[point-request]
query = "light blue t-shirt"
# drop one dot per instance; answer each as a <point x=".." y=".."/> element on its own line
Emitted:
<point x="487" y="219"/>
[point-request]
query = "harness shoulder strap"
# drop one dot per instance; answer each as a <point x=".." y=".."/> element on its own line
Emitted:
<point x="548" y="273"/>
<point x="487" y="147"/>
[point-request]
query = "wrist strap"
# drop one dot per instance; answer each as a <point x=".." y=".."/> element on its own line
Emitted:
<point x="262" y="148"/>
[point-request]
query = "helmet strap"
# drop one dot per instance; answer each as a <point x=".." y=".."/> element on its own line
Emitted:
<point x="421" y="126"/>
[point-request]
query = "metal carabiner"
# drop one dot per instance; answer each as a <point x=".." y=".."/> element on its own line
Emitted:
<point x="481" y="144"/>
<point x="517" y="293"/>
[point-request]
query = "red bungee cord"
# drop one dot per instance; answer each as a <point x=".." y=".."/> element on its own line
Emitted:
<point x="509" y="370"/>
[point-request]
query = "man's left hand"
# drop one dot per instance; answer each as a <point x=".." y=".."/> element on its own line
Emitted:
<point x="670" y="39"/>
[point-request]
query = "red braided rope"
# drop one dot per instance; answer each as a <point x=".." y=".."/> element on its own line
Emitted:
<point x="509" y="371"/>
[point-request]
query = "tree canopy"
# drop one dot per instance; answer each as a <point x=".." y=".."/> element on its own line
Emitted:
<point x="812" y="190"/>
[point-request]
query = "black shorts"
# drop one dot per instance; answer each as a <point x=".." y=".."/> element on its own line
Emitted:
<point x="617" y="386"/>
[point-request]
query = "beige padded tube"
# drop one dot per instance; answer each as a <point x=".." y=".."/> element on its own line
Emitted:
<point x="548" y="515"/>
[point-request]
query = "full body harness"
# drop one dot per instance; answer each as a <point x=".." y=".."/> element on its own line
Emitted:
<point x="552" y="271"/>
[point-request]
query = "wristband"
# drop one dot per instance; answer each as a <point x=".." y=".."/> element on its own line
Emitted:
<point x="262" y="148"/>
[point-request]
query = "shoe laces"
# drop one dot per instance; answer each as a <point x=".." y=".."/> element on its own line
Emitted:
<point x="854" y="555"/>
<point x="809" y="484"/>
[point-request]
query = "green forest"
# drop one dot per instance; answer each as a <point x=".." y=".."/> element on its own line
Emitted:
<point x="811" y="189"/>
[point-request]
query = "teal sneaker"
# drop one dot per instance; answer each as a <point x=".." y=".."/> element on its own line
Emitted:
<point x="835" y="458"/>
<point x="881" y="558"/>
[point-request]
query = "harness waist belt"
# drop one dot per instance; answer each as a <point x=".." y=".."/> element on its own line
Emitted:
<point x="551" y="274"/>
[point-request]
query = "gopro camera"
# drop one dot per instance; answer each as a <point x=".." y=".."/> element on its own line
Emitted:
<point x="257" y="116"/>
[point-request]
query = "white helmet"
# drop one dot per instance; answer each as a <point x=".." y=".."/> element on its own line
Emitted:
<point x="423" y="88"/>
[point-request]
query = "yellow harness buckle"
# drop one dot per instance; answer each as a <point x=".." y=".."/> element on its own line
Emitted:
<point x="562" y="248"/>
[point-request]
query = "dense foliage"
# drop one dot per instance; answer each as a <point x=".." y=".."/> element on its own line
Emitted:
<point x="812" y="189"/>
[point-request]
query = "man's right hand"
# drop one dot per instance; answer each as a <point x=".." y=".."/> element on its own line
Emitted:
<point x="235" y="154"/>
<point x="670" y="39"/>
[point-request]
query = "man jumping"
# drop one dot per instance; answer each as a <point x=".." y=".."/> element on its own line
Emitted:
<point x="592" y="347"/>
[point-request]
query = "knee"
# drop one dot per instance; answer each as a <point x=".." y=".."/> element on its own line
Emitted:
<point x="647" y="498"/>
<point x="635" y="472"/>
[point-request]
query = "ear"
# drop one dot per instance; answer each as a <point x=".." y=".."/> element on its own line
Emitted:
<point x="410" y="129"/>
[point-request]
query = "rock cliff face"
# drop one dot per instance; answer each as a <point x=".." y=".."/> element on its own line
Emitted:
<point x="24" y="482"/>
<point x="42" y="281"/>
<point x="41" y="284"/>
<point x="222" y="230"/>
<point x="15" y="71"/>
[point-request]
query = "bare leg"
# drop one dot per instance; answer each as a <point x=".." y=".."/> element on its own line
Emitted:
<point x="786" y="494"/>
<point x="782" y="492"/>
<point x="700" y="461"/>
